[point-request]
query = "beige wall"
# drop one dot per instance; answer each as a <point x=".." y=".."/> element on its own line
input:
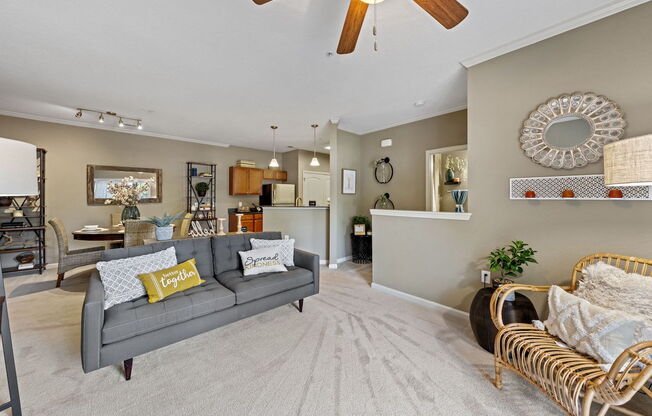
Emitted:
<point x="298" y="161"/>
<point x="440" y="260"/>
<point x="307" y="226"/>
<point x="408" y="156"/>
<point x="70" y="149"/>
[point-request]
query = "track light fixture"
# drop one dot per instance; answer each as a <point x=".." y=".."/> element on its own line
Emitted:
<point x="122" y="120"/>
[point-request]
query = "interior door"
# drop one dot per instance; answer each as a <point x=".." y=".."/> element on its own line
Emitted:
<point x="316" y="187"/>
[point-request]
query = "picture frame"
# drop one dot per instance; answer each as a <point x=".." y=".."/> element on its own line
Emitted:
<point x="359" y="229"/>
<point x="349" y="179"/>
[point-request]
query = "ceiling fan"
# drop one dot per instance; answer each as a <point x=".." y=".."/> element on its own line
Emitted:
<point x="447" y="12"/>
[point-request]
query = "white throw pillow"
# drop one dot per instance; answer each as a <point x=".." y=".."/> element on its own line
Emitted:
<point x="263" y="260"/>
<point x="611" y="287"/>
<point x="593" y="330"/>
<point x="119" y="277"/>
<point x="286" y="248"/>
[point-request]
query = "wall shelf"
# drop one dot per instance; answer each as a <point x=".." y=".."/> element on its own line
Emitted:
<point x="585" y="187"/>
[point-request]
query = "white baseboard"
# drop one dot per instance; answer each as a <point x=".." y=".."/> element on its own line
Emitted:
<point x="323" y="262"/>
<point x="343" y="259"/>
<point x="421" y="301"/>
<point x="51" y="266"/>
<point x="332" y="266"/>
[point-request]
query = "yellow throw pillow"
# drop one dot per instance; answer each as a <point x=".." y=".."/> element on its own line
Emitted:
<point x="163" y="283"/>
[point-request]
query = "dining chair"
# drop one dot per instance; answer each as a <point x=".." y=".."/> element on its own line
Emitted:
<point x="184" y="227"/>
<point x="116" y="219"/>
<point x="136" y="231"/>
<point x="71" y="259"/>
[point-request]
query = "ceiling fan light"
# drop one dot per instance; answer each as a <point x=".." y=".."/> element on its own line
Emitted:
<point x="273" y="163"/>
<point x="314" y="162"/>
<point x="372" y="1"/>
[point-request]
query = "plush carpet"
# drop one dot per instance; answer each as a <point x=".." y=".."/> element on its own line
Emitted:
<point x="353" y="351"/>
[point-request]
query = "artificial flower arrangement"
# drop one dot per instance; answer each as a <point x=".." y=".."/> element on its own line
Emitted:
<point x="127" y="193"/>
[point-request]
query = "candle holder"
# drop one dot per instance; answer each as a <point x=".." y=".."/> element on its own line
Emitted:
<point x="221" y="231"/>
<point x="239" y="230"/>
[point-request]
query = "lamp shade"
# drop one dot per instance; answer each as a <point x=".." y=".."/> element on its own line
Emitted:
<point x="629" y="162"/>
<point x="18" y="168"/>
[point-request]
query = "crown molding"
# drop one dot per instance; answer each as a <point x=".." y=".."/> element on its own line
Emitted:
<point x="109" y="128"/>
<point x="565" y="26"/>
<point x="419" y="117"/>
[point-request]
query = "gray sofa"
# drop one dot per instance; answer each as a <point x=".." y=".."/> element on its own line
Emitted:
<point x="127" y="330"/>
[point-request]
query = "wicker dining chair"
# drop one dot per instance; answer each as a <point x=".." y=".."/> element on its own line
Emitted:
<point x="116" y="219"/>
<point x="573" y="380"/>
<point x="136" y="231"/>
<point x="71" y="259"/>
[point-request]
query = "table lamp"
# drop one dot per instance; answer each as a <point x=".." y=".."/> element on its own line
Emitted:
<point x="628" y="162"/>
<point x="17" y="178"/>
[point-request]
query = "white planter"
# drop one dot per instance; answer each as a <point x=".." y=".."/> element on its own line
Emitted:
<point x="164" y="233"/>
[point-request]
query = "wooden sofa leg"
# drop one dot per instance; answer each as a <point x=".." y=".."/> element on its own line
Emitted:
<point x="300" y="305"/>
<point x="128" y="364"/>
<point x="59" y="279"/>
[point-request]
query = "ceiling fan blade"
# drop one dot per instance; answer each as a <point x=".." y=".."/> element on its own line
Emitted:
<point x="261" y="2"/>
<point x="352" y="26"/>
<point x="447" y="12"/>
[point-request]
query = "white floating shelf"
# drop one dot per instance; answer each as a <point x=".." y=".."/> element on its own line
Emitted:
<point x="585" y="187"/>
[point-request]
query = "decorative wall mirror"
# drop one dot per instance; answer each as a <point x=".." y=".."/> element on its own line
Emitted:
<point x="570" y="131"/>
<point x="98" y="178"/>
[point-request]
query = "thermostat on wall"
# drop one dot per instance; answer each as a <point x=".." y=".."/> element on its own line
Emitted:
<point x="386" y="143"/>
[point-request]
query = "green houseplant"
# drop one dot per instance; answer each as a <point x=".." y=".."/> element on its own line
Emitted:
<point x="510" y="260"/>
<point x="202" y="188"/>
<point x="361" y="219"/>
<point x="163" y="225"/>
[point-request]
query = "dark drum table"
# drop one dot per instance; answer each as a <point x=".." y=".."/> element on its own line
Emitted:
<point x="519" y="310"/>
<point x="361" y="248"/>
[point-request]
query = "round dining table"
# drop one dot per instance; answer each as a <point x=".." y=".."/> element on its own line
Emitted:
<point x="103" y="234"/>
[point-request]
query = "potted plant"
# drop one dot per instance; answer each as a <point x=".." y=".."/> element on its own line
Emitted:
<point x="127" y="193"/>
<point x="163" y="225"/>
<point x="509" y="262"/>
<point x="360" y="219"/>
<point x="202" y="188"/>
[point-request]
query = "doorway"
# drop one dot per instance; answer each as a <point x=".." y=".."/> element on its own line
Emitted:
<point x="316" y="187"/>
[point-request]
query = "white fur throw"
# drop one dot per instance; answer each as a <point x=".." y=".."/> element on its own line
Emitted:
<point x="593" y="330"/>
<point x="613" y="288"/>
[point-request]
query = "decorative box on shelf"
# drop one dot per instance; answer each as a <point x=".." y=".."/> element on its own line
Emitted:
<point x="584" y="187"/>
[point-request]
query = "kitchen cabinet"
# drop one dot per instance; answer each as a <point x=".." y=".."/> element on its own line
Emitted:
<point x="275" y="175"/>
<point x="253" y="222"/>
<point x="245" y="181"/>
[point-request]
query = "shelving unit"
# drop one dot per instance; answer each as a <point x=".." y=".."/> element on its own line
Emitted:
<point x="202" y="207"/>
<point x="585" y="187"/>
<point x="33" y="207"/>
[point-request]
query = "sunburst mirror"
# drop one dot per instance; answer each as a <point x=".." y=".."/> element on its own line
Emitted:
<point x="570" y="131"/>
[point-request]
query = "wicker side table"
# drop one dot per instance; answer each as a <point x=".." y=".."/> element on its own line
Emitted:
<point x="361" y="248"/>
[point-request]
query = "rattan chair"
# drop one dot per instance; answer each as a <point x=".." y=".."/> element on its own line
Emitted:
<point x="136" y="231"/>
<point x="71" y="259"/>
<point x="574" y="381"/>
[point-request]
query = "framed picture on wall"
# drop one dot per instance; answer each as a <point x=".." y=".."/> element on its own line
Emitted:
<point x="349" y="177"/>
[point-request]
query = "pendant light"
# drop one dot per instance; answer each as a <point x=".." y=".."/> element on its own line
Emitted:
<point x="314" y="161"/>
<point x="274" y="163"/>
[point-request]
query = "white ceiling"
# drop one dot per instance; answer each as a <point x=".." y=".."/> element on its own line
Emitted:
<point x="223" y="71"/>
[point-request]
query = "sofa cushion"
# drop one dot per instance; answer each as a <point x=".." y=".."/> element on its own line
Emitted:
<point x="137" y="317"/>
<point x="226" y="248"/>
<point x="261" y="285"/>
<point x="186" y="249"/>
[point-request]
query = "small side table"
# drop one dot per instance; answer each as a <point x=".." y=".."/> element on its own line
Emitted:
<point x="361" y="248"/>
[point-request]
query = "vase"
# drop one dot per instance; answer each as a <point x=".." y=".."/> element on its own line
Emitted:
<point x="459" y="196"/>
<point x="520" y="309"/>
<point x="450" y="175"/>
<point x="130" y="212"/>
<point x="164" y="233"/>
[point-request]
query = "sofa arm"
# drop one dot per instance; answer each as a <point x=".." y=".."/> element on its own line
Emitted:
<point x="92" y="323"/>
<point x="308" y="261"/>
<point x="628" y="374"/>
<point x="501" y="293"/>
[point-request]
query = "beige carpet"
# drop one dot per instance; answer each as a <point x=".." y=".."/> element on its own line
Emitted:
<point x="354" y="351"/>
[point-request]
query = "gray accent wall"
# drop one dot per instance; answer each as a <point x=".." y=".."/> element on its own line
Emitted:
<point x="440" y="260"/>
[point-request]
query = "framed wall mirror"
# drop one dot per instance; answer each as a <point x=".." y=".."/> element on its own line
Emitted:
<point x="570" y="131"/>
<point x="98" y="178"/>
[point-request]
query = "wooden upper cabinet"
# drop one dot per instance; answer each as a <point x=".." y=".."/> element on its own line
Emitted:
<point x="269" y="174"/>
<point x="255" y="181"/>
<point x="275" y="175"/>
<point x="245" y="181"/>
